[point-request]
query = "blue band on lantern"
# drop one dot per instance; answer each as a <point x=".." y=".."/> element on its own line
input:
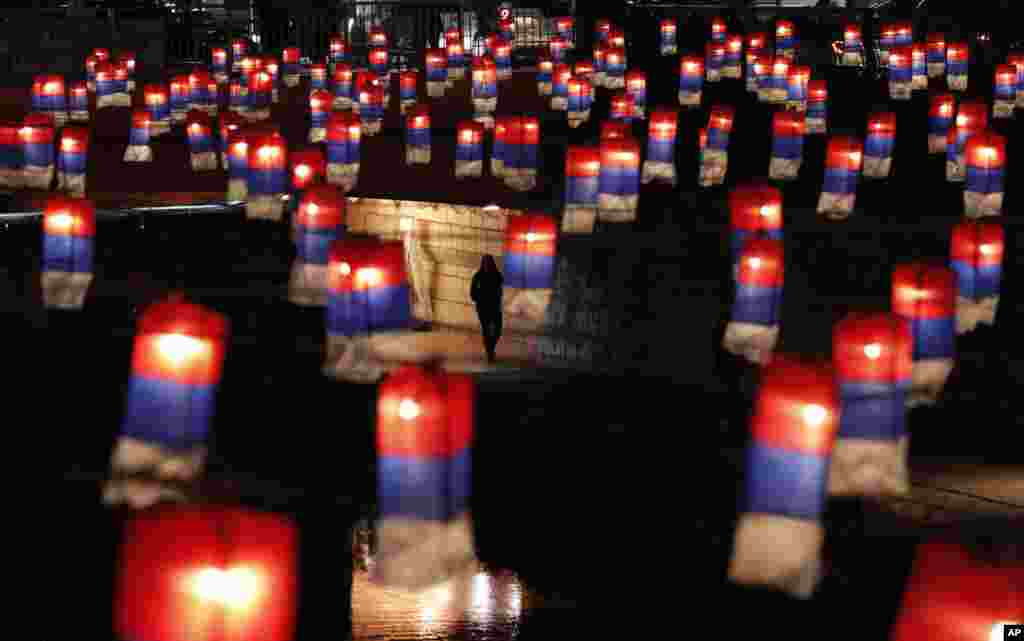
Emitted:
<point x="718" y="139"/>
<point x="902" y="73"/>
<point x="178" y="102"/>
<point x="876" y="417"/>
<point x="159" y="113"/>
<point x="347" y="314"/>
<point x="740" y="237"/>
<point x="977" y="283"/>
<point x="267" y="182"/>
<point x="72" y="163"/>
<point x="39" y="154"/>
<point x="238" y="170"/>
<point x="1005" y="92"/>
<point x="424" y="488"/>
<point x="65" y="253"/>
<point x="936" y="57"/>
<point x="259" y="99"/>
<point x="379" y="309"/>
<point x="840" y="181"/>
<point x="854" y="390"/>
<point x="985" y="181"/>
<point x="757" y="305"/>
<point x="788" y="147"/>
<point x="879" y="146"/>
<point x="939" y="125"/>
<point x="313" y="245"/>
<point x="343" y="89"/>
<point x="778" y="82"/>
<point x="661" y="150"/>
<point x="50" y="103"/>
<point x="371" y="111"/>
<point x="106" y="88"/>
<point x="137" y="136"/>
<point x="786" y="43"/>
<point x="581" y="191"/>
<point x="956" y="68"/>
<point x="291" y="69"/>
<point x="527" y="157"/>
<point x="919" y="68"/>
<point x="318" y="82"/>
<point x="418" y="136"/>
<point x="714" y="63"/>
<point x="615" y="70"/>
<point x="173" y="415"/>
<point x="785" y="483"/>
<point x="816" y="110"/>
<point x="342" y="153"/>
<point x="200" y="144"/>
<point x="529" y="271"/>
<point x="318" y="119"/>
<point x="469" y="152"/>
<point x="933" y="337"/>
<point x="389" y="307"/>
<point x="689" y="82"/>
<point x="796" y="92"/>
<point x="668" y="38"/>
<point x="577" y="103"/>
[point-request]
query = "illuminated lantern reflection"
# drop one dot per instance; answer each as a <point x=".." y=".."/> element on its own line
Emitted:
<point x="976" y="255"/>
<point x="582" y="173"/>
<point x="417" y="135"/>
<point x="941" y="111"/>
<point x="753" y="327"/>
<point x="780" y="535"/>
<point x="764" y="69"/>
<point x="919" y="67"/>
<point x="436" y="62"/>
<point x="531" y="242"/>
<point x="843" y="159"/>
<point x="180" y="95"/>
<point x="319" y="222"/>
<point x="318" y="75"/>
<point x="219" y="64"/>
<point x="936" y="55"/>
<point x="755" y="50"/>
<point x="621" y="107"/>
<point x="971" y="119"/>
<point x="138" y="149"/>
<point x="619" y="185"/>
<point x="503" y="59"/>
<point x="955" y="594"/>
<point x="37" y="143"/>
<point x="600" y="64"/>
<point x="522" y="153"/>
<point x="268" y="177"/>
<point x="545" y="74"/>
<point x="159" y="108"/>
<point x="636" y="86"/>
<point x="718" y="30"/>
<point x="957" y="62"/>
<point x="202" y="153"/>
<point x="106" y="86"/>
<point x="484" y="90"/>
<point x="291" y="67"/>
<point x="320" y="103"/>
<point x="344" y="133"/>
<point x="785" y="40"/>
<point x="900" y="75"/>
<point x="986" y="171"/>
<point x="669" y="45"/>
<point x="261" y="95"/>
<point x="660" y="163"/>
<point x="853" y="46"/>
<point x="732" y="65"/>
<point x="78" y="102"/>
<point x="218" y="572"/>
<point x="925" y="295"/>
<point x="48" y="96"/>
<point x="615" y="68"/>
<point x="407" y="83"/>
<point x="341" y="85"/>
<point x="69" y="231"/>
<point x="469" y="149"/>
<point x="12" y="156"/>
<point x="200" y="95"/>
<point x="71" y="160"/>
<point x="879" y="144"/>
<point x="560" y="87"/>
<point x="872" y="355"/>
<point x="714" y="161"/>
<point x="714" y="58"/>
<point x="580" y="100"/>
<point x="424" y="478"/>
<point x="177" y="363"/>
<point x="797" y="79"/>
<point x="788" y="129"/>
<point x="1005" y="91"/>
<point x="691" y="81"/>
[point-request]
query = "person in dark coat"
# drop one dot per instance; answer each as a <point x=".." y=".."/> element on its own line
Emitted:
<point x="485" y="291"/>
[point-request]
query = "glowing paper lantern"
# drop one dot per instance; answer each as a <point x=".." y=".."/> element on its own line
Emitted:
<point x="407" y="82"/>
<point x="71" y="160"/>
<point x="756" y="43"/>
<point x="344" y="133"/>
<point x="872" y="356"/>
<point x="919" y="67"/>
<point x="260" y="86"/>
<point x="660" y="163"/>
<point x="545" y="71"/>
<point x="37" y="137"/>
<point x="522" y="152"/>
<point x="900" y="73"/>
<point x="90" y="72"/>
<point x="180" y="95"/>
<point x="619" y="185"/>
<point x="341" y="84"/>
<point x="529" y="269"/>
<point x="503" y="59"/>
<point x="582" y="173"/>
<point x="417" y="135"/>
<point x="941" y="110"/>
<point x="271" y="66"/>
<point x="565" y="27"/>
<point x="584" y="70"/>
<point x="971" y="119"/>
<point x="753" y="327"/>
<point x="779" y="89"/>
<point x="268" y="177"/>
<point x="904" y="36"/>
<point x="936" y="55"/>
<point x="127" y="61"/>
<point x="714" y="58"/>
<point x="616" y="38"/>
<point x="615" y="130"/>
<point x="202" y="152"/>
<point x="138" y="149"/>
<point x="507" y="29"/>
<point x="484" y="89"/>
<point x="219" y="64"/>
<point x="238" y="165"/>
<point x="615" y="68"/>
<point x="318" y="75"/>
<point x="785" y="40"/>
<point x="843" y="159"/>
<point x="957" y="62"/>
<point x="291" y="67"/>
<point x="560" y="87"/>
<point x="78" y="102"/>
<point x="797" y="80"/>
<point x="602" y="29"/>
<point x="788" y="129"/>
<point x="12" y="156"/>
<point x="319" y="222"/>
<point x="106" y="86"/>
<point x="764" y="68"/>
<point x="238" y="97"/>
<point x="926" y="295"/>
<point x="976" y="255"/>
<point x="308" y="168"/>
<point x="320" y="103"/>
<point x="853" y="46"/>
<point x="780" y="534"/>
<point x="239" y="50"/>
<point x="48" y="96"/>
<point x="469" y="149"/>
<point x="337" y="50"/>
<point x="437" y="72"/>
<point x="986" y="170"/>
<point x="456" y="61"/>
<point x="714" y="162"/>
<point x="1005" y="91"/>
<point x="879" y="144"/>
<point x="200" y="95"/>
<point x="755" y="211"/>
<point x="377" y="37"/>
<point x="691" y="81"/>
<point x="177" y="363"/>
<point x="378" y="58"/>
<point x="69" y="230"/>
<point x="501" y="141"/>
<point x="718" y="29"/>
<point x="669" y="42"/>
<point x="636" y="88"/>
<point x="886" y="42"/>
<point x="621" y="107"/>
<point x="371" y="108"/>
<point x="732" y="65"/>
<point x="424" y="478"/>
<point x="601" y="64"/>
<point x="579" y="101"/>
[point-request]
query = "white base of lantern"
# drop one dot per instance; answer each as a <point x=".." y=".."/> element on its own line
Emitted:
<point x="238" y="190"/>
<point x="764" y="95"/>
<point x="274" y="96"/>
<point x="616" y="209"/>
<point x="971" y="313"/>
<point x="60" y="118"/>
<point x="436" y="89"/>
<point x="869" y="468"/>
<point x="78" y="116"/>
<point x="11" y="179"/>
<point x="877" y="167"/>
<point x="74" y="184"/>
<point x="799" y="106"/>
<point x="38" y="177"/>
<point x="936" y="69"/>
<point x="690" y="99"/>
<point x="205" y="161"/>
<point x="403" y="105"/>
<point x="122" y="99"/>
<point x="559" y="104"/>
<point x="936" y="143"/>
<point x="469" y="168"/>
<point x="855" y="59"/>
<point x="344" y="177"/>
<point x="577" y="118"/>
<point x="732" y="73"/>
<point x="177" y="116"/>
<point x="521" y="179"/>
<point x="241" y="110"/>
<point x="209" y="110"/>
<point x="525" y="309"/>
<point x="497" y="167"/>
<point x="836" y="206"/>
<point x="485" y="105"/>
<point x="669" y="50"/>
<point x="1003" y="108"/>
<point x="65" y="290"/>
<point x="370" y="127"/>
<point x="1019" y="101"/>
<point x="103" y="102"/>
<point x="130" y="85"/>
<point x="755" y="343"/>
<point x="784" y="169"/>
<point x="138" y="153"/>
<point x="778" y="96"/>
<point x="929" y="378"/>
<point x="779" y="552"/>
<point x="712" y="76"/>
<point x="654" y="171"/>
<point x="351" y="359"/>
<point x="956" y="170"/>
<point x="484" y="119"/>
<point x="713" y="168"/>
<point x="614" y="82"/>
<point x="307" y="285"/>
<point x="417" y="155"/>
<point x="168" y="469"/>
<point x="224" y="160"/>
<point x="159" y="128"/>
<point x="900" y="90"/>
<point x="257" y="114"/>
<point x="816" y="126"/>
<point x="578" y="220"/>
<point x="291" y="80"/>
<point x="415" y="555"/>
<point x="956" y="83"/>
<point x="456" y="74"/>
<point x="317" y="134"/>
<point x="981" y="205"/>
<point x="264" y="208"/>
<point x="341" y="103"/>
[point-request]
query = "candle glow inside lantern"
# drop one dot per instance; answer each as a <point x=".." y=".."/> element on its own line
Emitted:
<point x="668" y="29"/>
<point x="291" y="66"/>
<point x="221" y="572"/>
<point x="106" y="86"/>
<point x="436" y="63"/>
<point x="308" y="168"/>
<point x="788" y="128"/>
<point x="545" y="74"/>
<point x="879" y="144"/>
<point x="48" y="96"/>
<point x="925" y="295"/>
<point x="753" y="326"/>
<point x="582" y="173"/>
<point x="371" y="108"/>
<point x="565" y="27"/>
<point x="853" y="46"/>
<point x="202" y="152"/>
<point x="941" y="110"/>
<point x="456" y="60"/>
<point x="239" y="50"/>
<point x="138" y="149"/>
<point x="12" y="156"/>
<point x="732" y="64"/>
<point x="200" y="96"/>
<point x="797" y="80"/>
<point x="764" y="69"/>
<point x="344" y="133"/>
<point x="616" y="38"/>
<point x="268" y="177"/>
<point x="873" y="358"/>
<point x="619" y="184"/>
<point x="900" y="75"/>
<point x="580" y="101"/>
<point x="531" y="242"/>
<point x="660" y="163"/>
<point x="521" y="152"/>
<point x="378" y="37"/>
<point x="261" y="95"/>
<point x="469" y="149"/>
<point x="957" y="62"/>
<point x="319" y="222"/>
<point x="755" y="211"/>
<point x="976" y="255"/>
<point x="407" y="84"/>
<point x="417" y="135"/>
<point x="378" y="58"/>
<point x="71" y="160"/>
<point x="337" y="50"/>
<point x="719" y="29"/>
<point x="600" y="64"/>
<point x="785" y="40"/>
<point x="180" y="95"/>
<point x="503" y="59"/>
<point x="176" y="367"/>
<point x="78" y="102"/>
<point x="986" y="171"/>
<point x="1016" y="60"/>
<point x="318" y="75"/>
<point x="1005" y="91"/>
<point x="37" y="141"/>
<point x="484" y="89"/>
<point x="844" y="157"/>
<point x="502" y="126"/>
<point x="691" y="81"/>
<point x="615" y="68"/>
<point x="560" y="87"/>
<point x="238" y="165"/>
<point x="714" y="58"/>
<point x="714" y="157"/>
<point x="424" y="478"/>
<point x="271" y="66"/>
<point x="971" y="119"/>
<point x="756" y="50"/>
<point x="341" y="85"/>
<point x="320" y="103"/>
<point x="69" y="231"/>
<point x="155" y="97"/>
<point x="219" y="64"/>
<point x="780" y="534"/>
<point x="615" y="130"/>
<point x="584" y="70"/>
<point x="919" y="67"/>
<point x="621" y="107"/>
<point x="936" y="55"/>
<point x="904" y="36"/>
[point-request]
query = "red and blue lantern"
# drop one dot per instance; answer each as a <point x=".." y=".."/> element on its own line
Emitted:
<point x="469" y="149"/>
<point x="291" y="66"/>
<point x="621" y="107"/>
<point x="200" y="96"/>
<point x="371" y="108"/>
<point x="337" y="50"/>
<point x="12" y="156"/>
<point x="918" y="67"/>
<point x="229" y="123"/>
<point x="719" y="30"/>
<point x="925" y="295"/>
<point x="71" y="160"/>
<point x="180" y="96"/>
<point x="545" y="74"/>
<point x="318" y="76"/>
<point x="615" y="68"/>
<point x="886" y="42"/>
<point x="976" y="255"/>
<point x="503" y="59"/>
<point x="615" y="130"/>
<point x="106" y="85"/>
<point x="600" y="64"/>
<point x="780" y="534"/>
<point x="957" y="62"/>
<point x="602" y="30"/>
<point x="582" y="173"/>
<point x="521" y="153"/>
<point x="507" y="29"/>
<point x="756" y="50"/>
<point x="904" y="36"/>
<point x="417" y="135"/>
<point x="660" y="163"/>
<point x="714" y="58"/>
<point x="936" y="55"/>
<point x="617" y="38"/>
<point x="1016" y="60"/>
<point x="879" y="144"/>
<point x="636" y="87"/>
<point x="900" y="75"/>
<point x="238" y="96"/>
<point x="271" y="66"/>
<point x="407" y="92"/>
<point x="268" y="177"/>
<point x="757" y="307"/>
<point x="844" y="157"/>
<point x="341" y="85"/>
<point x="797" y="80"/>
<point x="456" y="59"/>
<point x="560" y="87"/>
<point x="344" y="133"/>
<point x="90" y="72"/>
<point x="156" y="99"/>
<point x="378" y="58"/>
<point x="378" y="37"/>
<point x="485" y="87"/>
<point x="714" y="157"/>
<point x="138" y="149"/>
<point x="78" y="102"/>
<point x="238" y="165"/>
<point x="755" y="211"/>
<point x="788" y="128"/>
<point x="122" y="97"/>
<point x="785" y="40"/>
<point x="239" y="50"/>
<point x="48" y="96"/>
<point x="69" y="232"/>
<point x="853" y="46"/>
<point x="1005" y="91"/>
<point x="261" y="94"/>
<point x="732" y="64"/>
<point x="367" y="289"/>
<point x="308" y="168"/>
<point x="436" y="62"/>
<point x="202" y="151"/>
<point x="565" y="27"/>
<point x="219" y="64"/>
<point x="37" y="142"/>
<point x="531" y="242"/>
<point x="320" y="103"/>
<point x="584" y="69"/>
<point x="971" y="119"/>
<point x="779" y="79"/>
<point x="126" y="60"/>
<point x="941" y="111"/>
<point x="691" y="81"/>
<point x="764" y="71"/>
<point x="619" y="184"/>
<point x="986" y="174"/>
<point x="319" y="222"/>
<point x="669" y="36"/>
<point x="581" y="96"/>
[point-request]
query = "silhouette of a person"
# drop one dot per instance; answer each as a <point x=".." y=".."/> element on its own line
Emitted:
<point x="485" y="290"/>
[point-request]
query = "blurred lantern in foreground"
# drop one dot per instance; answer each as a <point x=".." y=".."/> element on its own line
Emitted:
<point x="843" y="159"/>
<point x="936" y="55"/>
<point x="71" y="160"/>
<point x="484" y="90"/>
<point x="755" y="211"/>
<point x="268" y="177"/>
<point x="957" y="60"/>
<point x="565" y="27"/>
<point x="580" y="99"/>
<point x="260" y="95"/>
<point x="615" y="68"/>
<point x="788" y="129"/>
<point x="503" y="59"/>
<point x="371" y="108"/>
<point x="719" y="29"/>
<point x="780" y="534"/>
<point x="531" y="242"/>
<point x="872" y="356"/>
<point x="714" y="58"/>
<point x="219" y="572"/>
<point x="200" y="95"/>
<point x="320" y="103"/>
<point x="918" y="67"/>
<point x="69" y="231"/>
<point x="545" y="77"/>
<point x="691" y="81"/>
<point x="219" y="64"/>
<point x="522" y="153"/>
<point x="600" y="64"/>
<point x="12" y="156"/>
<point x="669" y="40"/>
<point x="636" y="86"/>
<point x="37" y="142"/>
<point x="407" y="81"/>
<point x="456" y="62"/>
<point x="582" y="173"/>
<point x="238" y="97"/>
<point x="177" y="363"/>
<point x="560" y="87"/>
<point x="319" y="222"/>
<point x="1005" y="91"/>
<point x="619" y="185"/>
<point x="926" y="296"/>
<point x="976" y="255"/>
<point x="785" y="40"/>
<point x="764" y="71"/>
<point x="138" y="149"/>
<point x="900" y="73"/>
<point x="318" y="75"/>
<point x="337" y="50"/>
<point x="179" y="98"/>
<point x="853" y="46"/>
<point x="424" y="478"/>
<point x="753" y="327"/>
<point x="660" y="163"/>
<point x="239" y="50"/>
<point x="732" y="65"/>
<point x="971" y="119"/>
<point x="986" y="170"/>
<point x="955" y="594"/>
<point x="436" y="62"/>
<point x="291" y="67"/>
<point x="78" y="102"/>
<point x="879" y="144"/>
<point x="714" y="161"/>
<point x="344" y="134"/>
<point x="796" y="87"/>
<point x="904" y="36"/>
<point x="202" y="153"/>
<point x="106" y="86"/>
<point x="469" y="149"/>
<point x="341" y="85"/>
<point x="417" y="135"/>
<point x="237" y="165"/>
<point x="48" y="96"/>
<point x="941" y="110"/>
<point x="620" y="107"/>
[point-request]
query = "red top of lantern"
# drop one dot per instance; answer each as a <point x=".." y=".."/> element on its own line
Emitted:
<point x="702" y="138"/>
<point x="582" y="162"/>
<point x="900" y="57"/>
<point x="197" y="118"/>
<point x="74" y="139"/>
<point x="318" y="69"/>
<point x="762" y="263"/>
<point x="531" y="130"/>
<point x="378" y="56"/>
<point x="502" y="47"/>
<point x="291" y="55"/>
<point x="756" y="41"/>
<point x="936" y="41"/>
<point x="104" y="71"/>
<point x="797" y="408"/>
<point x="904" y="29"/>
<point x="600" y="52"/>
<point x="408" y="79"/>
<point x="238" y="145"/>
<point x="789" y="123"/>
<point x="583" y="68"/>
<point x="343" y="126"/>
<point x="921" y="290"/>
<point x="180" y="340"/>
<point x="424" y="413"/>
<point x="986" y="150"/>
<point x="48" y="85"/>
<point x="1015" y="59"/>
<point x="308" y="166"/>
<point x="852" y="31"/>
<point x="882" y="123"/>
<point x="436" y="58"/>
<point x="372" y="263"/>
<point x="780" y="67"/>
<point x="250" y="64"/>
<point x="783" y="28"/>
<point x="664" y="123"/>
<point x="470" y="132"/>
<point x="668" y="24"/>
<point x="564" y="23"/>
<point x="763" y="64"/>
<point x="755" y="207"/>
<point x="337" y="44"/>
<point x="322" y="207"/>
<point x="622" y="103"/>
<point x="530" y="233"/>
<point x="101" y="54"/>
<point x="65" y="216"/>
<point x="844" y="152"/>
<point x="154" y="94"/>
<point x="140" y="118"/>
<point x="942" y="105"/>
<point x="617" y="38"/>
<point x="229" y="121"/>
<point x="578" y="86"/>
<point x="888" y="30"/>
<point x="718" y="25"/>
<point x="483" y="63"/>
<point x="691" y="66"/>
<point x="817" y="91"/>
<point x="453" y="36"/>
<point x="121" y="71"/>
<point x="978" y="243"/>
<point x="972" y="115"/>
<point x="734" y="43"/>
<point x="721" y="117"/>
<point x="603" y="25"/>
<point x="875" y="347"/>
<point x="419" y="116"/>
<point x="378" y="37"/>
<point x="198" y="78"/>
<point x="239" y="46"/>
<point x="615" y="55"/>
<point x="1006" y="74"/>
<point x="179" y="85"/>
<point x="636" y="80"/>
<point x="320" y="100"/>
<point x="799" y="74"/>
<point x="38" y="120"/>
<point x="267" y="151"/>
<point x="219" y="54"/>
<point x="957" y="51"/>
<point x="562" y="73"/>
<point x="615" y="130"/>
<point x="620" y="152"/>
